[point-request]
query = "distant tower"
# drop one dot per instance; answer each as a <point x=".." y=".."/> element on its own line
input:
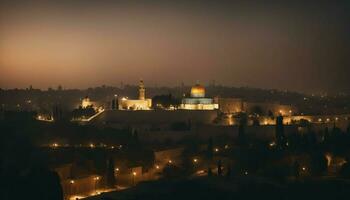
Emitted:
<point x="115" y="104"/>
<point x="141" y="90"/>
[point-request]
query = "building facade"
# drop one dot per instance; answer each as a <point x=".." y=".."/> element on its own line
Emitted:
<point x="136" y="104"/>
<point x="198" y="101"/>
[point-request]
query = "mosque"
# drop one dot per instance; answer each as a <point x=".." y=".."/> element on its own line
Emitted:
<point x="198" y="101"/>
<point x="136" y="104"/>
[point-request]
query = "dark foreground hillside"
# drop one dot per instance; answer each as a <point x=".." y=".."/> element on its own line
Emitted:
<point x="243" y="188"/>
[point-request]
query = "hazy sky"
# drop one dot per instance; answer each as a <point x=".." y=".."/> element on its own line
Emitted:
<point x="82" y="43"/>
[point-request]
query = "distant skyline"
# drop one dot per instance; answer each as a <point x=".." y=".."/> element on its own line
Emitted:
<point x="79" y="44"/>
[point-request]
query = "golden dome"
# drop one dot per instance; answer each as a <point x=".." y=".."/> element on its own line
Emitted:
<point x="197" y="91"/>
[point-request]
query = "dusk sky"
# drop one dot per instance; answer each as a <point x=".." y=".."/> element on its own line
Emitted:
<point x="80" y="44"/>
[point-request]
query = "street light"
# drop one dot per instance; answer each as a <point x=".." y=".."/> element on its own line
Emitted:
<point x="133" y="178"/>
<point x="71" y="186"/>
<point x="95" y="182"/>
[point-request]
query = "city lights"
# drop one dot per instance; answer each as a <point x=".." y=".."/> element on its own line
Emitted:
<point x="55" y="145"/>
<point x="175" y="100"/>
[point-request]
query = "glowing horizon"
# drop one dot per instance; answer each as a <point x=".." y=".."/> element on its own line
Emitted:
<point x="79" y="45"/>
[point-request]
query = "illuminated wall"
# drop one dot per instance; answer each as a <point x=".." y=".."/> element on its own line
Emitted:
<point x="199" y="106"/>
<point x="86" y="102"/>
<point x="135" y="104"/>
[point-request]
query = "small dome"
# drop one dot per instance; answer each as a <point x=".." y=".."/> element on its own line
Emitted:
<point x="197" y="91"/>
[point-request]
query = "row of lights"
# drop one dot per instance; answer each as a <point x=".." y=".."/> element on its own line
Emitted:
<point x="91" y="145"/>
<point x="95" y="178"/>
<point x="328" y="119"/>
<point x="133" y="173"/>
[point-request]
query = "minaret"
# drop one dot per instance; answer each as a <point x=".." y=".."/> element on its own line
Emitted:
<point x="141" y="90"/>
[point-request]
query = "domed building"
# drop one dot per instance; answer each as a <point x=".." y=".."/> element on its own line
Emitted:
<point x="198" y="101"/>
<point x="198" y="91"/>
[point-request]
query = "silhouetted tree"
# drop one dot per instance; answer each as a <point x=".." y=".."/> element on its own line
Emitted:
<point x="171" y="172"/>
<point x="312" y="139"/>
<point x="210" y="173"/>
<point x="210" y="148"/>
<point x="270" y="114"/>
<point x="296" y="168"/>
<point x="257" y="110"/>
<point x="345" y="169"/>
<point x="326" y="136"/>
<point x="42" y="184"/>
<point x="219" y="168"/>
<point x="164" y="101"/>
<point x="280" y="138"/>
<point x="241" y="130"/>
<point x="228" y="172"/>
<point x="110" y="173"/>
<point x="135" y="136"/>
<point x="318" y="163"/>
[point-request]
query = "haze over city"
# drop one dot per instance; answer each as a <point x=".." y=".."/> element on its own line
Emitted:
<point x="174" y="99"/>
<point x="300" y="46"/>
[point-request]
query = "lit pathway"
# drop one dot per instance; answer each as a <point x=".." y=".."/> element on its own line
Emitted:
<point x="92" y="117"/>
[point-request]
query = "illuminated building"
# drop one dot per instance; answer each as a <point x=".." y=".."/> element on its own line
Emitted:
<point x="198" y="101"/>
<point x="136" y="104"/>
<point x="86" y="102"/>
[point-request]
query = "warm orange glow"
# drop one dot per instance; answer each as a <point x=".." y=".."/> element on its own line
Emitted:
<point x="197" y="91"/>
<point x="329" y="159"/>
<point x="55" y="145"/>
